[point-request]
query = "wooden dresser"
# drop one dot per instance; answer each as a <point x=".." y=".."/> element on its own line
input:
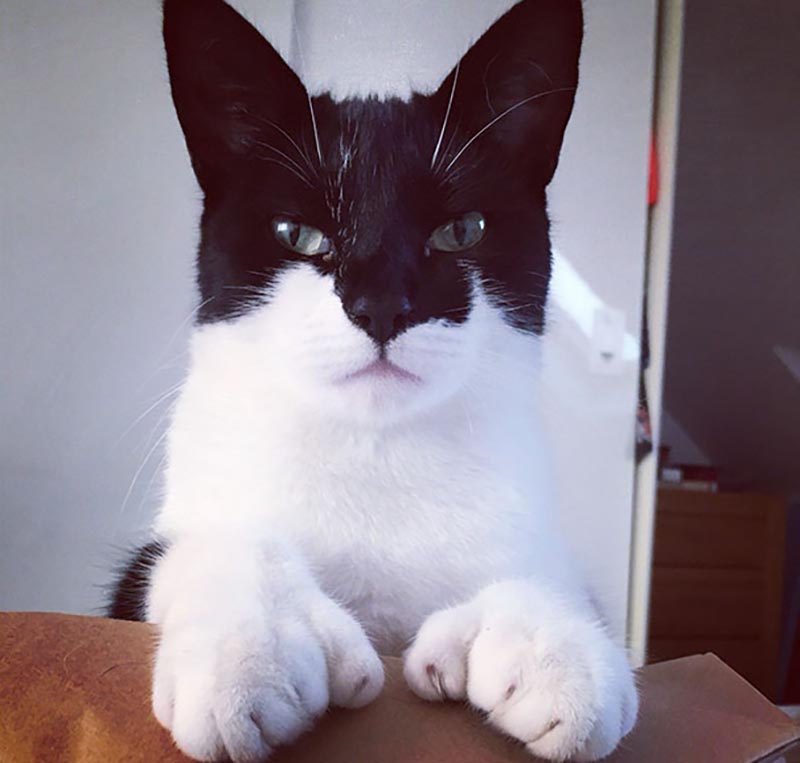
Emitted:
<point x="717" y="580"/>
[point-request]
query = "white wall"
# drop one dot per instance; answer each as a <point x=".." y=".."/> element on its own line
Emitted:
<point x="98" y="229"/>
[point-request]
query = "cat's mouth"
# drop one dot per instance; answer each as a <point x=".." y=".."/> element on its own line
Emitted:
<point x="382" y="369"/>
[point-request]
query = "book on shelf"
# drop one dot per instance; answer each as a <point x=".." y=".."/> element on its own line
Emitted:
<point x="690" y="477"/>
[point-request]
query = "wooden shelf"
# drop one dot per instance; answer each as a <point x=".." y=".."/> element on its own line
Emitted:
<point x="717" y="580"/>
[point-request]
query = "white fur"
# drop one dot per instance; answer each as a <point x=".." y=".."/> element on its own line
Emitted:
<point x="292" y="495"/>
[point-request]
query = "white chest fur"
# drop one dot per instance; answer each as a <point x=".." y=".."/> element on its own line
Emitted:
<point x="395" y="521"/>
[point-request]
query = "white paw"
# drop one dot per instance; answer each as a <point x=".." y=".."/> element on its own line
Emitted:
<point x="239" y="690"/>
<point x="555" y="682"/>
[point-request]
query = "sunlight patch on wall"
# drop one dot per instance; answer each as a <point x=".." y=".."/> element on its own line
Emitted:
<point x="790" y="357"/>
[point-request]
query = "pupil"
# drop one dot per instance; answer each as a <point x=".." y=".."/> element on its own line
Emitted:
<point x="459" y="231"/>
<point x="294" y="234"/>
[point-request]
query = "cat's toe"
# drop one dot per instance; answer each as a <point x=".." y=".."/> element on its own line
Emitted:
<point x="435" y="667"/>
<point x="193" y="727"/>
<point x="354" y="668"/>
<point x="617" y="715"/>
<point x="182" y="698"/>
<point x="357" y="678"/>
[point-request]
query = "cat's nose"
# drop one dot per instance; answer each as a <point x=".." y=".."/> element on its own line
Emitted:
<point x="383" y="318"/>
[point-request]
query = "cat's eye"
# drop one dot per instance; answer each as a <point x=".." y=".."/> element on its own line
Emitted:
<point x="459" y="234"/>
<point x="301" y="238"/>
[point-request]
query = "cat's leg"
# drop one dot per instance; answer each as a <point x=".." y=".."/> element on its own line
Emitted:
<point x="250" y="651"/>
<point x="537" y="661"/>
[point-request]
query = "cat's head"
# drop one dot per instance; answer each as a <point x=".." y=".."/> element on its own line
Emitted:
<point x="373" y="254"/>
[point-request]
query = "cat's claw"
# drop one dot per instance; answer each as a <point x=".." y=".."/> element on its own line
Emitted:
<point x="557" y="683"/>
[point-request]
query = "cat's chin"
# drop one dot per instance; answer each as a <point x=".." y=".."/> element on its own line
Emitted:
<point x="378" y="398"/>
<point x="381" y="370"/>
<point x="379" y="394"/>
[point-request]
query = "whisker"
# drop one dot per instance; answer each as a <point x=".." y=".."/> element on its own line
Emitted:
<point x="454" y="311"/>
<point x="158" y="471"/>
<point x="286" y="167"/>
<point x="260" y="273"/>
<point x="137" y="475"/>
<point x="248" y="288"/>
<point x="300" y="150"/>
<point x="308" y="96"/>
<point x="452" y="178"/>
<point x="518" y="308"/>
<point x="448" y="147"/>
<point x="503" y="114"/>
<point x="160" y="362"/>
<point x="242" y="307"/>
<point x="186" y="320"/>
<point x="314" y="126"/>
<point x="170" y="392"/>
<point x="288" y="158"/>
<point x="288" y="137"/>
<point x="446" y="115"/>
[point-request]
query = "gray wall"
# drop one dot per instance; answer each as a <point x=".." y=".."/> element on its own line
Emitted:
<point x="96" y="272"/>
<point x="98" y="216"/>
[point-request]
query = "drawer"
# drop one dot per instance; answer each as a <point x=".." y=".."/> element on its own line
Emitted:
<point x="689" y="603"/>
<point x="686" y="539"/>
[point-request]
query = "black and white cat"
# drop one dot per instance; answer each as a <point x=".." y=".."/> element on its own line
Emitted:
<point x="355" y="463"/>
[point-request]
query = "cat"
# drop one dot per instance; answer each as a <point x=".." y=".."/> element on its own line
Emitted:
<point x="355" y="462"/>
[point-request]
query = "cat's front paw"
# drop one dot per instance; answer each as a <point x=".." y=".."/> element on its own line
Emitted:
<point x="237" y="692"/>
<point x="556" y="682"/>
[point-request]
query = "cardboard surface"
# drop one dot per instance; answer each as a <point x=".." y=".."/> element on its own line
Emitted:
<point x="76" y="690"/>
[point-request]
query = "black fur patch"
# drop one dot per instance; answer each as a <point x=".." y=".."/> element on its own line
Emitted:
<point x="362" y="172"/>
<point x="129" y="594"/>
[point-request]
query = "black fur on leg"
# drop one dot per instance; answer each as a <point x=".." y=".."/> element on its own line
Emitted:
<point x="129" y="592"/>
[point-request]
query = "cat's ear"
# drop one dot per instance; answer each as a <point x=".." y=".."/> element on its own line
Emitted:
<point x="514" y="89"/>
<point x="229" y="85"/>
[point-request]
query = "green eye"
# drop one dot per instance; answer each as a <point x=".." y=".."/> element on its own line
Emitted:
<point x="300" y="238"/>
<point x="459" y="234"/>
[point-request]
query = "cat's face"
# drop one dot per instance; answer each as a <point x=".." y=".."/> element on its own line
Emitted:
<point x="372" y="250"/>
